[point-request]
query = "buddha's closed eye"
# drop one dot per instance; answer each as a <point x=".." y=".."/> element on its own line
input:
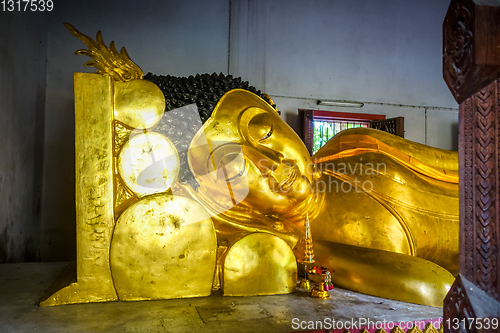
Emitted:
<point x="269" y="133"/>
<point x="260" y="127"/>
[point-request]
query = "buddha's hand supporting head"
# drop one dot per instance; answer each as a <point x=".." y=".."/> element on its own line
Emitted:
<point x="248" y="155"/>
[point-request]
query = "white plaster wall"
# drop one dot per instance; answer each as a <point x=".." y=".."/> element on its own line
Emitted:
<point x="163" y="37"/>
<point x="414" y="117"/>
<point x="23" y="55"/>
<point x="442" y="128"/>
<point x="384" y="52"/>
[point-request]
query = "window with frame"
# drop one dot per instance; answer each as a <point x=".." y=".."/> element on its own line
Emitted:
<point x="316" y="127"/>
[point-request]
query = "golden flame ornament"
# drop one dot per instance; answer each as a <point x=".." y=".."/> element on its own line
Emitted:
<point x="107" y="60"/>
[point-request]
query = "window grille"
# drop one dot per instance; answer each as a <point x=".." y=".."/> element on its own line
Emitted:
<point x="324" y="130"/>
<point x="316" y="127"/>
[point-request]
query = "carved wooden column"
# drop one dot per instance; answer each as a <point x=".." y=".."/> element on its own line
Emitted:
<point x="471" y="69"/>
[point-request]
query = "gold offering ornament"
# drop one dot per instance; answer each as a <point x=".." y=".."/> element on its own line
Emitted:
<point x="322" y="278"/>
<point x="306" y="254"/>
<point x="107" y="60"/>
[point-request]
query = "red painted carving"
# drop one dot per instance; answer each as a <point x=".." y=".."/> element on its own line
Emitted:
<point x="480" y="164"/>
<point x="471" y="69"/>
<point x="457" y="50"/>
<point x="457" y="306"/>
<point x="469" y="309"/>
<point x="471" y="46"/>
<point x="486" y="188"/>
<point x="466" y="115"/>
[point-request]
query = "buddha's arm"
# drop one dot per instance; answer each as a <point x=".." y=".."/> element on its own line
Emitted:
<point x="384" y="274"/>
<point x="437" y="163"/>
<point x="233" y="224"/>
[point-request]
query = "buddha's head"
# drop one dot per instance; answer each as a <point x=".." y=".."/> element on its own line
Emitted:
<point x="246" y="154"/>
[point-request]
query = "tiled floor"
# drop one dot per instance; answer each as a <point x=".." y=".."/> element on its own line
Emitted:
<point x="22" y="285"/>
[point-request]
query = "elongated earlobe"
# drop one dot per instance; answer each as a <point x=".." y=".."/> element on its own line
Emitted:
<point x="316" y="172"/>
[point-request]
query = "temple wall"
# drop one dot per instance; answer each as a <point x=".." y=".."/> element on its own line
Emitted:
<point x="374" y="52"/>
<point x="23" y="57"/>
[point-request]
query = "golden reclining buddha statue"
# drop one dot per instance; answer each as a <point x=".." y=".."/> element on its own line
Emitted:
<point x="164" y="215"/>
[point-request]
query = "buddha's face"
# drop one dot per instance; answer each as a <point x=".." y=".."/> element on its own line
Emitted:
<point x="248" y="155"/>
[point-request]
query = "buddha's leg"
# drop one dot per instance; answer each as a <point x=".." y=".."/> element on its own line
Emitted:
<point x="384" y="274"/>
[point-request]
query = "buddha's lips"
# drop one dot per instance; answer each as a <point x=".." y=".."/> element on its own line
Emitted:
<point x="293" y="175"/>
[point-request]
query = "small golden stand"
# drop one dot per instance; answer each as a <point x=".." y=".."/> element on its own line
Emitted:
<point x="319" y="291"/>
<point x="305" y="283"/>
<point x="307" y="254"/>
<point x="322" y="279"/>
